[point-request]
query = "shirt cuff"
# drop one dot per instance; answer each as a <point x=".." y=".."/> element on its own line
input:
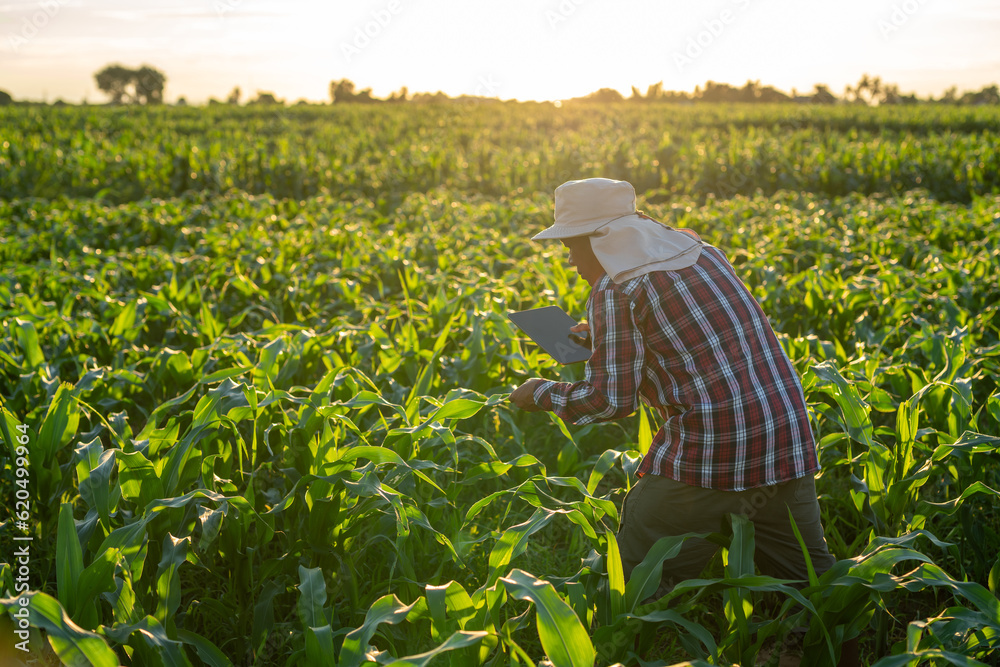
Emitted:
<point x="543" y="394"/>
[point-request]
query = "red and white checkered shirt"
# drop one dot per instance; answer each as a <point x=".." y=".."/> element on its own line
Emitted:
<point x="696" y="345"/>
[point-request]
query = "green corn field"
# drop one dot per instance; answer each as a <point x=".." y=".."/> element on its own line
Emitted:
<point x="255" y="367"/>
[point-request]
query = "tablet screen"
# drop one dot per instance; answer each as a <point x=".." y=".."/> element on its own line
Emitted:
<point x="549" y="328"/>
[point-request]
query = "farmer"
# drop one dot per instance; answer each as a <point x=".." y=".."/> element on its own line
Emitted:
<point x="671" y="323"/>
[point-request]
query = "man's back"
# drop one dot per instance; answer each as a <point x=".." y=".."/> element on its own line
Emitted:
<point x="738" y="417"/>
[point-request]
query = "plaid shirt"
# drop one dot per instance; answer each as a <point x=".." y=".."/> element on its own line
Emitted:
<point x="695" y="345"/>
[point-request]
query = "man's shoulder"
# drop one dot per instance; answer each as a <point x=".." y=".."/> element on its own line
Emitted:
<point x="606" y="294"/>
<point x="712" y="260"/>
<point x="627" y="290"/>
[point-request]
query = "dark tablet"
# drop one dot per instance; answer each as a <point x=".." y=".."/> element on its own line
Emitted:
<point x="549" y="328"/>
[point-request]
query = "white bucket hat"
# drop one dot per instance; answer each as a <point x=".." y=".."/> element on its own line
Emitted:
<point x="627" y="243"/>
<point x="583" y="207"/>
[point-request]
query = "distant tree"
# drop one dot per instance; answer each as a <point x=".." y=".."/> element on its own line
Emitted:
<point x="401" y="95"/>
<point x="115" y="80"/>
<point x="428" y="98"/>
<point x="654" y="93"/>
<point x="132" y="86"/>
<point x="234" y="96"/>
<point x="867" y="91"/>
<point x="720" y="92"/>
<point x="365" y="95"/>
<point x="342" y="91"/>
<point x="950" y="96"/>
<point x="149" y="83"/>
<point x="181" y="102"/>
<point x="822" y="95"/>
<point x="988" y="95"/>
<point x="750" y="92"/>
<point x="604" y="95"/>
<point x="5" y="98"/>
<point x="890" y="94"/>
<point x="769" y="94"/>
<point x="874" y="88"/>
<point x="266" y="98"/>
<point x="675" y="96"/>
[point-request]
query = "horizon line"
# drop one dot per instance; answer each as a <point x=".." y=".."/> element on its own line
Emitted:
<point x="626" y="95"/>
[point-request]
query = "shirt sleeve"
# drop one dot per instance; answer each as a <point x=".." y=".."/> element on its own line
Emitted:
<point x="613" y="373"/>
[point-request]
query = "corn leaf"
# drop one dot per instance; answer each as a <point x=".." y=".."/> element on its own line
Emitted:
<point x="73" y="644"/>
<point x="312" y="597"/>
<point x="563" y="637"/>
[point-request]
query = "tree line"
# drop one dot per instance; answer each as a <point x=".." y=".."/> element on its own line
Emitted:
<point x="870" y="90"/>
<point x="145" y="85"/>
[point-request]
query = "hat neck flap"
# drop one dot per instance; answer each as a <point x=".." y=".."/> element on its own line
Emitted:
<point x="634" y="245"/>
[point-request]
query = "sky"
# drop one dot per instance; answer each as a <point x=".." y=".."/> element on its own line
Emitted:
<point x="511" y="49"/>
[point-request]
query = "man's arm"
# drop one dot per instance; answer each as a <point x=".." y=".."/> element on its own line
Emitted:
<point x="614" y="371"/>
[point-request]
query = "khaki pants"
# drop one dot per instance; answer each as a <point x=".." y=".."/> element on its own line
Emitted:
<point x="657" y="507"/>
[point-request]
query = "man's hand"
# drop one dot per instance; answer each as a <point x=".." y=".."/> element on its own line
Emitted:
<point x="581" y="335"/>
<point x="524" y="396"/>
